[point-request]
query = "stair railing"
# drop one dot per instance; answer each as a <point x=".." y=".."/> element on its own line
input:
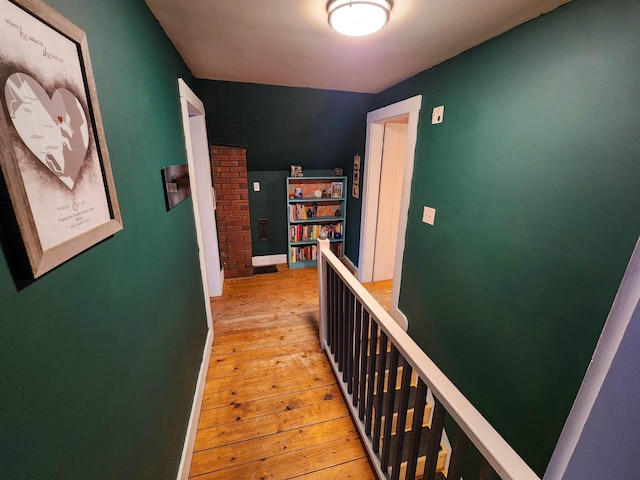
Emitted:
<point x="370" y="353"/>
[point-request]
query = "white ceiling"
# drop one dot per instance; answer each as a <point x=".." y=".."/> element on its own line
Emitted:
<point x="289" y="42"/>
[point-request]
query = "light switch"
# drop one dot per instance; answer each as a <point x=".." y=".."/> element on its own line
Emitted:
<point x="438" y="115"/>
<point x="429" y="215"/>
<point x="256" y="186"/>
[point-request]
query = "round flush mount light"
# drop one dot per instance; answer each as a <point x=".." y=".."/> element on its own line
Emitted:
<point x="358" y="18"/>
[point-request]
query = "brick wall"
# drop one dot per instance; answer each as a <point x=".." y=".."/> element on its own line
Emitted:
<point x="229" y="167"/>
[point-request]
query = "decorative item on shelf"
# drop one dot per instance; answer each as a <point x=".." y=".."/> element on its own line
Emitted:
<point x="317" y="193"/>
<point x="298" y="192"/>
<point x="337" y="213"/>
<point x="326" y="193"/>
<point x="336" y="189"/>
<point x="296" y="170"/>
<point x="337" y="172"/>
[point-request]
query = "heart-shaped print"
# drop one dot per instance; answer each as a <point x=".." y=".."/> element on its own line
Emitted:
<point x="54" y="129"/>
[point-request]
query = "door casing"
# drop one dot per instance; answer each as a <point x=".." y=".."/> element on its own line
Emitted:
<point x="371" y="187"/>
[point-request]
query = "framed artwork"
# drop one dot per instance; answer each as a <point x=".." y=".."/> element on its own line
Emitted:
<point x="177" y="186"/>
<point x="53" y="151"/>
<point x="355" y="190"/>
<point x="355" y="185"/>
<point x="296" y="170"/>
<point x="336" y="189"/>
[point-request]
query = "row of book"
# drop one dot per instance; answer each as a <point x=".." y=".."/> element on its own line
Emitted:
<point x="304" y="233"/>
<point x="299" y="211"/>
<point x="310" y="252"/>
<point x="302" y="254"/>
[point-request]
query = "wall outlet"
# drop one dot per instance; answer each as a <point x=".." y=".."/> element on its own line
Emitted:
<point x="429" y="215"/>
<point x="256" y="186"/>
<point x="437" y="115"/>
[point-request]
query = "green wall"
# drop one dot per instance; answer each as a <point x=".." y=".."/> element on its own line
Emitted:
<point x="534" y="174"/>
<point x="99" y="358"/>
<point x="280" y="126"/>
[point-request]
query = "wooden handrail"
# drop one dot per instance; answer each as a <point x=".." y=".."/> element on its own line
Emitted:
<point x="497" y="452"/>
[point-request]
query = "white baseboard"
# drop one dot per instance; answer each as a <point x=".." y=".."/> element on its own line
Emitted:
<point x="269" y="260"/>
<point x="192" y="428"/>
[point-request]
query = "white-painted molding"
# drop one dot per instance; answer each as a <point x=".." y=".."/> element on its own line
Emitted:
<point x="190" y="103"/>
<point x="202" y="193"/>
<point x="196" y="405"/>
<point x="371" y="187"/>
<point x="626" y="301"/>
<point x="264" y="260"/>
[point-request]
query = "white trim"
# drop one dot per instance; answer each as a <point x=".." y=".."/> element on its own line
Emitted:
<point x="189" y="100"/>
<point x="192" y="427"/>
<point x="371" y="186"/>
<point x="626" y="301"/>
<point x="207" y="248"/>
<point x="263" y="260"/>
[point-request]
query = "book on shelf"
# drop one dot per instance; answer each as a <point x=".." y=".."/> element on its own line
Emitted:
<point x="300" y="211"/>
<point x="303" y="254"/>
<point x="310" y="232"/>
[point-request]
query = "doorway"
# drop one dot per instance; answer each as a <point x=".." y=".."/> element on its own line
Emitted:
<point x="393" y="128"/>
<point x="394" y="146"/>
<point x="204" y="208"/>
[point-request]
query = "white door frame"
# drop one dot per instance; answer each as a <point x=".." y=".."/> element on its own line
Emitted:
<point x="371" y="187"/>
<point x="196" y="145"/>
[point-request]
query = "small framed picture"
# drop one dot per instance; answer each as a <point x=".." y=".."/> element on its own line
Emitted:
<point x="296" y="170"/>
<point x="355" y="190"/>
<point x="336" y="189"/>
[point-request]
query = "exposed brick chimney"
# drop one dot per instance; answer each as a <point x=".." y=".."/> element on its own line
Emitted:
<point x="229" y="167"/>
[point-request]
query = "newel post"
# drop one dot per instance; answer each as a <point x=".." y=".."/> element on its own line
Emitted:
<point x="324" y="246"/>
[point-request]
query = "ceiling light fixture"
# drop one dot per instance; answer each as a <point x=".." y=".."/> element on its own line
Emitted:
<point x="358" y="18"/>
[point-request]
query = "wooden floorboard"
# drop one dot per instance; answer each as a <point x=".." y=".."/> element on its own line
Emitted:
<point x="271" y="407"/>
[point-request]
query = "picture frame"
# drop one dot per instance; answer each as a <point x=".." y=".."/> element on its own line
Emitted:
<point x="336" y="189"/>
<point x="176" y="184"/>
<point x="355" y="190"/>
<point x="355" y="184"/>
<point x="53" y="150"/>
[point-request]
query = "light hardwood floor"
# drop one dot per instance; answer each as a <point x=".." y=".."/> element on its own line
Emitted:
<point x="271" y="408"/>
